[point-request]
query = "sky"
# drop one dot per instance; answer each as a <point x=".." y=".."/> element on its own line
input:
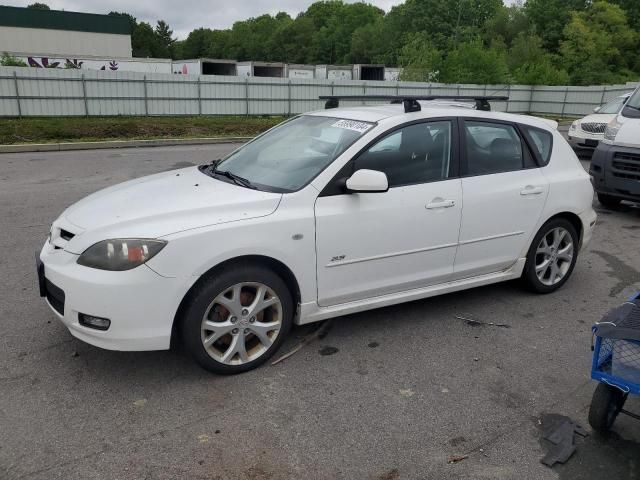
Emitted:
<point x="186" y="15"/>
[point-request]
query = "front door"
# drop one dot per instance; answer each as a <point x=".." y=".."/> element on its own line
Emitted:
<point x="371" y="244"/>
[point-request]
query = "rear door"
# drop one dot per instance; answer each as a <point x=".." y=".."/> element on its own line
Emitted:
<point x="371" y="244"/>
<point x="504" y="193"/>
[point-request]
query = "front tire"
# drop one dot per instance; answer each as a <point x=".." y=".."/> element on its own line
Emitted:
<point x="551" y="257"/>
<point x="237" y="318"/>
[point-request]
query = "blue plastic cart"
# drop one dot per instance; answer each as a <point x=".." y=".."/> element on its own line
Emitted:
<point x="616" y="364"/>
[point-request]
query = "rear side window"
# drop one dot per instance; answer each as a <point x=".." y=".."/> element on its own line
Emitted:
<point x="492" y="148"/>
<point x="541" y="141"/>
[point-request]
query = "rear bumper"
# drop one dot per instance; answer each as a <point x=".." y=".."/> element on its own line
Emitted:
<point x="615" y="171"/>
<point x="140" y="304"/>
<point x="588" y="219"/>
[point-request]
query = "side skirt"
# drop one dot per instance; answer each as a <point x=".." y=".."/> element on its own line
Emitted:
<point x="310" y="312"/>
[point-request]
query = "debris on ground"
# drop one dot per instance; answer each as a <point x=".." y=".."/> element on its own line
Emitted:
<point x="477" y="323"/>
<point x="327" y="350"/>
<point x="457" y="458"/>
<point x="560" y="431"/>
<point x="406" y="393"/>
<point x="320" y="333"/>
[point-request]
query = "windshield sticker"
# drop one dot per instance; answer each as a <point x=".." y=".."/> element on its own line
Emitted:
<point x="360" y="127"/>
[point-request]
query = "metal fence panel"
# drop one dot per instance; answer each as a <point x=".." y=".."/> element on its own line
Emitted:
<point x="53" y="92"/>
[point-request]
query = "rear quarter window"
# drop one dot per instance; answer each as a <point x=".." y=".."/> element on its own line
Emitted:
<point x="541" y="142"/>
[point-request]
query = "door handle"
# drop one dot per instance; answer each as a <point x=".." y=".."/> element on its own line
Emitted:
<point x="440" y="203"/>
<point x="531" y="190"/>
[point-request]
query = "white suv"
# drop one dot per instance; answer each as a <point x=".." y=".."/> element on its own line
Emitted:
<point x="331" y="212"/>
<point x="588" y="131"/>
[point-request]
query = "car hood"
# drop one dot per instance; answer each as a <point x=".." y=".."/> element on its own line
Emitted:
<point x="629" y="133"/>
<point x="598" y="118"/>
<point x="161" y="204"/>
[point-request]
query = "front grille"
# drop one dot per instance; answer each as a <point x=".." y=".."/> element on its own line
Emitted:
<point x="66" y="235"/>
<point x="593" y="127"/>
<point x="55" y="296"/>
<point x="626" y="165"/>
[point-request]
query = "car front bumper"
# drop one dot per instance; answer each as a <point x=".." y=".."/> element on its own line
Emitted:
<point x="615" y="171"/>
<point x="140" y="304"/>
<point x="580" y="139"/>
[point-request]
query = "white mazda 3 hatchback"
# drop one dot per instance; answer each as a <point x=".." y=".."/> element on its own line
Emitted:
<point x="329" y="213"/>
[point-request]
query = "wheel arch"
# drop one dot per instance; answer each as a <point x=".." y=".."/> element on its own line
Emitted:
<point x="573" y="219"/>
<point x="254" y="260"/>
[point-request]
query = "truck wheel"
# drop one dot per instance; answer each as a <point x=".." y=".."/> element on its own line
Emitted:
<point x="606" y="404"/>
<point x="551" y="257"/>
<point x="608" y="201"/>
<point x="237" y="319"/>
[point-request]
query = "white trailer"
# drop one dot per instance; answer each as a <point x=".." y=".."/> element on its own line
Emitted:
<point x="392" y="74"/>
<point x="368" y="72"/>
<point x="205" y="66"/>
<point x="300" y="71"/>
<point x="334" y="72"/>
<point x="119" y="64"/>
<point x="261" y="69"/>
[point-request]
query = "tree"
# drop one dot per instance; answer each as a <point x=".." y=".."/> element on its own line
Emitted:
<point x="599" y="46"/>
<point x="198" y="43"/>
<point x="632" y="9"/>
<point x="530" y="64"/>
<point x="447" y="22"/>
<point x="165" y="39"/>
<point x="472" y="62"/>
<point x="506" y="24"/>
<point x="39" y="6"/>
<point x="420" y="60"/>
<point x="144" y="41"/>
<point x="550" y="17"/>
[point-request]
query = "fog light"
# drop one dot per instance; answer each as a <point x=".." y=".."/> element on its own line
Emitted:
<point x="94" y="322"/>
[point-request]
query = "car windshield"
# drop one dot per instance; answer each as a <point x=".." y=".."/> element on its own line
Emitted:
<point x="289" y="156"/>
<point x="613" y="106"/>
<point x="634" y="101"/>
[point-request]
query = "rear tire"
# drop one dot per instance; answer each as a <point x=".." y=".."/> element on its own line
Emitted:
<point x="237" y="318"/>
<point x="606" y="404"/>
<point x="608" y="201"/>
<point x="551" y="257"/>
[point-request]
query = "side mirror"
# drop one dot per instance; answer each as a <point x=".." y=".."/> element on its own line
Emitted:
<point x="367" y="181"/>
<point x="596" y="110"/>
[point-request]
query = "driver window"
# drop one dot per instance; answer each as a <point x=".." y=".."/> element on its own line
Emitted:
<point x="414" y="154"/>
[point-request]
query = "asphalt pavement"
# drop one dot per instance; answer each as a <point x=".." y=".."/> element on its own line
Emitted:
<point x="405" y="390"/>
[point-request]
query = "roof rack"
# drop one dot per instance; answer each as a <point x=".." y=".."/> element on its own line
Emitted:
<point x="410" y="102"/>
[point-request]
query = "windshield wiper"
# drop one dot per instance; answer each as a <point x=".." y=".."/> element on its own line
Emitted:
<point x="237" y="179"/>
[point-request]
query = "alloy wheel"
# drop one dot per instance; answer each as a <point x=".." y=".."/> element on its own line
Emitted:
<point x="241" y="323"/>
<point x="554" y="256"/>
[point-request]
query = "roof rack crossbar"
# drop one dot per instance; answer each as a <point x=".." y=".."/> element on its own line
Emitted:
<point x="410" y="102"/>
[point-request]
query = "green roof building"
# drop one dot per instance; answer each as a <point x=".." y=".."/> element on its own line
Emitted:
<point x="55" y="32"/>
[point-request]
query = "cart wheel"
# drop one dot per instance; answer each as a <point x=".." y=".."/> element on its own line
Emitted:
<point x="606" y="404"/>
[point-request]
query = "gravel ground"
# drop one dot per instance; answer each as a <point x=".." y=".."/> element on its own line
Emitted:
<point x="406" y="388"/>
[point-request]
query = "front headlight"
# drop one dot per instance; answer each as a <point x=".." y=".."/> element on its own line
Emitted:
<point x="120" y="253"/>
<point x="574" y="125"/>
<point x="611" y="131"/>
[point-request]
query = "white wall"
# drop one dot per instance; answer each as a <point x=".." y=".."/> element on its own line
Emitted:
<point x="109" y="64"/>
<point x="17" y="39"/>
<point x="58" y="92"/>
